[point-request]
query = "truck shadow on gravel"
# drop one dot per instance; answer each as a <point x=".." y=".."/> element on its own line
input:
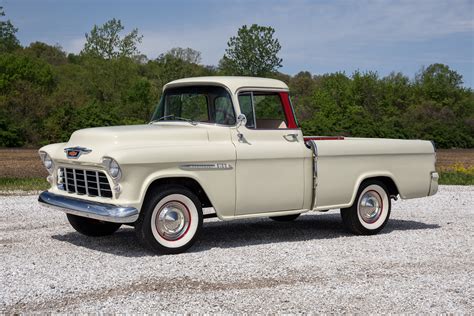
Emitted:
<point x="239" y="233"/>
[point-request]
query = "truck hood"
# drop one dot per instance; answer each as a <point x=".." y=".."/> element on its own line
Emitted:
<point x="103" y="140"/>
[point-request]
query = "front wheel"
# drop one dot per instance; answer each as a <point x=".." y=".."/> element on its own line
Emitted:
<point x="370" y="211"/>
<point x="170" y="220"/>
<point x="92" y="227"/>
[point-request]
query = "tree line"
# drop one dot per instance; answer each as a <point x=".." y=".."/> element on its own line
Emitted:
<point x="46" y="93"/>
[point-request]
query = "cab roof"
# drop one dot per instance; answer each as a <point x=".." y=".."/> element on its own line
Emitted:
<point x="233" y="83"/>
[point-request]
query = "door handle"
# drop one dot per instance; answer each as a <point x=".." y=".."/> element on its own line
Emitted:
<point x="291" y="137"/>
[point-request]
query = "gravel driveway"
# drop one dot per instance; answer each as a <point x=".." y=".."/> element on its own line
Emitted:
<point x="423" y="261"/>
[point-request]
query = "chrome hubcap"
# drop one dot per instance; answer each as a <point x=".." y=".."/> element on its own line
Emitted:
<point x="370" y="207"/>
<point x="173" y="220"/>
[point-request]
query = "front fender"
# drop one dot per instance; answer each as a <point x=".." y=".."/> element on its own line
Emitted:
<point x="142" y="166"/>
<point x="219" y="186"/>
<point x="55" y="151"/>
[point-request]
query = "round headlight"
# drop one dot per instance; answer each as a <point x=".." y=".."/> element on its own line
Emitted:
<point x="47" y="161"/>
<point x="112" y="167"/>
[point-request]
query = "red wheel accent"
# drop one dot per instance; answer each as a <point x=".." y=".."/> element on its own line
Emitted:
<point x="323" y="138"/>
<point x="187" y="228"/>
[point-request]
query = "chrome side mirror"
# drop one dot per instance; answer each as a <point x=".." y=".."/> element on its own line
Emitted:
<point x="241" y="120"/>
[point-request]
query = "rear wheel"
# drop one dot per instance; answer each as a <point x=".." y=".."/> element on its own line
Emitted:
<point x="285" y="218"/>
<point x="370" y="211"/>
<point x="92" y="227"/>
<point x="170" y="220"/>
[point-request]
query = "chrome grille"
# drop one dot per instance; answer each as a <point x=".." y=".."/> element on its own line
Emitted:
<point x="84" y="182"/>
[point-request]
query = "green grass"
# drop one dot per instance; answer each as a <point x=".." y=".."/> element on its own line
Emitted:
<point x="25" y="184"/>
<point x="456" y="178"/>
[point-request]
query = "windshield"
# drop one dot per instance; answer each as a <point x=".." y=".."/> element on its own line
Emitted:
<point x="196" y="104"/>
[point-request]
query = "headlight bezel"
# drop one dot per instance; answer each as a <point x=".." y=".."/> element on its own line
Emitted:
<point x="112" y="167"/>
<point x="48" y="162"/>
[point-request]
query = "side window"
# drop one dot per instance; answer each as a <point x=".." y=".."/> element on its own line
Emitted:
<point x="263" y="110"/>
<point x="224" y="111"/>
<point x="245" y="102"/>
<point x="269" y="111"/>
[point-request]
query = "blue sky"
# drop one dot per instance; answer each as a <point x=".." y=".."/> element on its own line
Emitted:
<point x="318" y="36"/>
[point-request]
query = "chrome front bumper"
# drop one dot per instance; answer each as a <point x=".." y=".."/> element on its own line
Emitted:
<point x="100" y="211"/>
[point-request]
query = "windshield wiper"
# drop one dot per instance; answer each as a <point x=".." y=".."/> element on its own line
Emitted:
<point x="161" y="118"/>
<point x="174" y="117"/>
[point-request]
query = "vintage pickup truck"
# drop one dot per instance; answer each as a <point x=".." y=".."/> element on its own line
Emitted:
<point x="228" y="147"/>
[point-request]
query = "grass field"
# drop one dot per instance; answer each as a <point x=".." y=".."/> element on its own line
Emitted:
<point x="21" y="169"/>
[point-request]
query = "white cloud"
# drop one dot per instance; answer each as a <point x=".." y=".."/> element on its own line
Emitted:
<point x="324" y="35"/>
<point x="75" y="45"/>
<point x="320" y="31"/>
<point x="210" y="42"/>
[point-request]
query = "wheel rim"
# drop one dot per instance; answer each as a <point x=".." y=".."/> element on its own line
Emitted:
<point x="370" y="206"/>
<point x="173" y="220"/>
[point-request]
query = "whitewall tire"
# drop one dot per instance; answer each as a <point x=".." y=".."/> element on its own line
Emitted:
<point x="170" y="220"/>
<point x="370" y="211"/>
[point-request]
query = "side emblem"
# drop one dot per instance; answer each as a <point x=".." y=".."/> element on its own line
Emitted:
<point x="76" y="152"/>
<point x="207" y="166"/>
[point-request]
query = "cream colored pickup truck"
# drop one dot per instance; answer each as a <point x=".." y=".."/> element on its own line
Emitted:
<point x="228" y="147"/>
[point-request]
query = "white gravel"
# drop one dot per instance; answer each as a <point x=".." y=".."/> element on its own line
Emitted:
<point x="422" y="262"/>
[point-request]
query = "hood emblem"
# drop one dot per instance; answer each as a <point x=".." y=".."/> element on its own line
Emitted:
<point x="76" y="152"/>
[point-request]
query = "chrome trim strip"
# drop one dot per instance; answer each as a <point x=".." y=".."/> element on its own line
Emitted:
<point x="85" y="182"/>
<point x="252" y="99"/>
<point x="75" y="181"/>
<point x="206" y="166"/>
<point x="98" y="183"/>
<point x="314" y="147"/>
<point x="89" y="209"/>
<point x="65" y="179"/>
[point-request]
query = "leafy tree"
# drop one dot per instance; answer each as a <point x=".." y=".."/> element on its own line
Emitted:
<point x="141" y="99"/>
<point x="9" y="133"/>
<point x="332" y="101"/>
<point x="302" y="87"/>
<point x="185" y="54"/>
<point x="15" y="68"/>
<point x="438" y="82"/>
<point x="253" y="52"/>
<point x="53" y="55"/>
<point x="8" y="40"/>
<point x="25" y="84"/>
<point x="46" y="95"/>
<point x="105" y="41"/>
<point x="168" y="67"/>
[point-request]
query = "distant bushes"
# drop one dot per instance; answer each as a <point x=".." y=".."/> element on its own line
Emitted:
<point x="46" y="95"/>
<point x="433" y="106"/>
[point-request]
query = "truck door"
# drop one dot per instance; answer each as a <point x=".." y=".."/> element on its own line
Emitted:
<point x="270" y="154"/>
